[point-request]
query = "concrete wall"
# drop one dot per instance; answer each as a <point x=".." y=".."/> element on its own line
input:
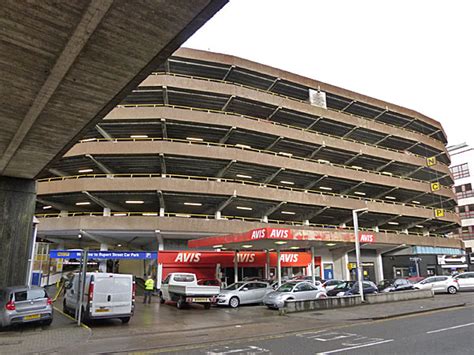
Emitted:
<point x="339" y="302"/>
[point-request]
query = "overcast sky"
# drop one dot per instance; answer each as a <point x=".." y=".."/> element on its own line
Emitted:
<point x="418" y="54"/>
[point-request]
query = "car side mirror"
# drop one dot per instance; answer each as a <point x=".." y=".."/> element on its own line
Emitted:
<point x="245" y="289"/>
<point x="68" y="285"/>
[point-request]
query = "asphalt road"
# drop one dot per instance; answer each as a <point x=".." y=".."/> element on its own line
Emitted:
<point x="442" y="332"/>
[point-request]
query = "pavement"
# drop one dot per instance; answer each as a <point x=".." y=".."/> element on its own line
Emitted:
<point x="161" y="328"/>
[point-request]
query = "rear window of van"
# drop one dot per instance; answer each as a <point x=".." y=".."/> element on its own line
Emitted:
<point x="183" y="278"/>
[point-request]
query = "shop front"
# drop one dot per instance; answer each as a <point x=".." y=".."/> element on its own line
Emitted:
<point x="221" y="264"/>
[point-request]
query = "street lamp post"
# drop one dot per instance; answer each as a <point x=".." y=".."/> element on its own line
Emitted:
<point x="357" y="247"/>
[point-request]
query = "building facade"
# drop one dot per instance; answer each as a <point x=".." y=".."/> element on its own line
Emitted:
<point x="213" y="144"/>
<point x="462" y="168"/>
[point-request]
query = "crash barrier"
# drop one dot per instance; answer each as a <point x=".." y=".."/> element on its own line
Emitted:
<point x="349" y="301"/>
<point x="398" y="296"/>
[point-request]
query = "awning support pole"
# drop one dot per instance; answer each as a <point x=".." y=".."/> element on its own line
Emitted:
<point x="236" y="266"/>
<point x="267" y="266"/>
<point x="313" y="269"/>
<point x="279" y="267"/>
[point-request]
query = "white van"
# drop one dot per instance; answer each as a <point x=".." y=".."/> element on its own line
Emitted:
<point x="105" y="296"/>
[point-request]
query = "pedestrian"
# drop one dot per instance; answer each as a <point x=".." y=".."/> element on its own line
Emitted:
<point x="149" y="288"/>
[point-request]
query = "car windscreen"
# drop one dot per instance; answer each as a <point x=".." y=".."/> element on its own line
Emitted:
<point x="235" y="286"/>
<point x="183" y="278"/>
<point x="343" y="285"/>
<point x="26" y="295"/>
<point x="286" y="287"/>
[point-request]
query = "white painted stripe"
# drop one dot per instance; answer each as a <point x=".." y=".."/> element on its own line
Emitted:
<point x="356" y="347"/>
<point x="455" y="327"/>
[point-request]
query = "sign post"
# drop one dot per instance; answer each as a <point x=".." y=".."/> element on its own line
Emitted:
<point x="357" y="247"/>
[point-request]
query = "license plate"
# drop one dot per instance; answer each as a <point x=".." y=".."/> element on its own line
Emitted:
<point x="32" y="316"/>
<point x="102" y="310"/>
<point x="200" y="299"/>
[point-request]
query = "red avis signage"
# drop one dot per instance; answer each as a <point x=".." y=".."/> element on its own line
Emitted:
<point x="270" y="233"/>
<point x="367" y="238"/>
<point x="226" y="259"/>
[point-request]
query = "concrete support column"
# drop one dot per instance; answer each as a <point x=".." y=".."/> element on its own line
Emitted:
<point x="17" y="206"/>
<point x="426" y="233"/>
<point x="218" y="215"/>
<point x="376" y="229"/>
<point x="265" y="219"/>
<point x="405" y="231"/>
<point x="306" y="222"/>
<point x="103" y="263"/>
<point x="313" y="276"/>
<point x="162" y="212"/>
<point x="159" y="267"/>
<point x="379" y="268"/>
<point x="106" y="212"/>
<point x="346" y="268"/>
<point x="63" y="213"/>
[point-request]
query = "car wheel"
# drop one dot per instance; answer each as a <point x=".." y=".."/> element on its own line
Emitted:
<point x="162" y="300"/>
<point x="47" y="322"/>
<point x="125" y="320"/>
<point x="321" y="296"/>
<point x="180" y="304"/>
<point x="234" y="302"/>
<point x="452" y="290"/>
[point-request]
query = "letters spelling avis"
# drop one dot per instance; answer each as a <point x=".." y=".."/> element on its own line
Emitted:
<point x="276" y="233"/>
<point x="241" y="258"/>
<point x="367" y="238"/>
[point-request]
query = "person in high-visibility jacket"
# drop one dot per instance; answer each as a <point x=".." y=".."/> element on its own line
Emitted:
<point x="149" y="288"/>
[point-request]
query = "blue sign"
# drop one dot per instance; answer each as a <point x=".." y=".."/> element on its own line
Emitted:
<point x="97" y="254"/>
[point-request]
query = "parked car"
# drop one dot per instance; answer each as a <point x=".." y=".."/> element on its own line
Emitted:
<point x="368" y="287"/>
<point x="182" y="288"/>
<point x="106" y="296"/>
<point x="445" y="284"/>
<point x="331" y="284"/>
<point x="23" y="304"/>
<point x="465" y="280"/>
<point x="243" y="293"/>
<point x="293" y="290"/>
<point x="394" y="285"/>
<point x="340" y="289"/>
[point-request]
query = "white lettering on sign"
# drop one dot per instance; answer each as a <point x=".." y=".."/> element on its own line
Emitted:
<point x="188" y="258"/>
<point x="367" y="238"/>
<point x="258" y="234"/>
<point x="279" y="233"/>
<point x="245" y="258"/>
<point x="289" y="258"/>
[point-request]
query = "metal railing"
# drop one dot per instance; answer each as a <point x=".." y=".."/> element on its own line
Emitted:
<point x="175" y="140"/>
<point x="242" y="182"/>
<point x="194" y="77"/>
<point x="155" y="214"/>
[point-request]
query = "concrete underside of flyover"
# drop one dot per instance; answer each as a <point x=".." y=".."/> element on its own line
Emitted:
<point x="63" y="67"/>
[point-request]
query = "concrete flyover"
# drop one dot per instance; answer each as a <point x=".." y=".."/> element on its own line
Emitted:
<point x="63" y="66"/>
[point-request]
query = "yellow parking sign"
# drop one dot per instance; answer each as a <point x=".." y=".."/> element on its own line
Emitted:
<point x="435" y="186"/>
<point x="430" y="161"/>
<point x="439" y="212"/>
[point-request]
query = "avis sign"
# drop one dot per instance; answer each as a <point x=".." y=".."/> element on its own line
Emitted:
<point x="270" y="234"/>
<point x="367" y="238"/>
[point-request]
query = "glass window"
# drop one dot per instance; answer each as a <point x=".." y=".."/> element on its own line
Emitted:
<point x="183" y="278"/>
<point x="303" y="287"/>
<point x="288" y="287"/>
<point x="235" y="286"/>
<point x="167" y="280"/>
<point x="460" y="171"/>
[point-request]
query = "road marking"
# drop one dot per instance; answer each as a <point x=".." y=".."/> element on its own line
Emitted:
<point x="355" y="347"/>
<point x="69" y="317"/>
<point x="455" y="327"/>
<point x="245" y="350"/>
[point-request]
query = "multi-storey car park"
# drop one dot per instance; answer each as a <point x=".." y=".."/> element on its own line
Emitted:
<point x="212" y="144"/>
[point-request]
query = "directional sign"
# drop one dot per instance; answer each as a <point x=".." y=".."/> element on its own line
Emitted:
<point x="76" y="254"/>
<point x="430" y="161"/>
<point x="435" y="186"/>
<point x="439" y="212"/>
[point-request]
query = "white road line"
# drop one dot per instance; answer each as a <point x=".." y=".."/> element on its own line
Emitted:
<point x="455" y="327"/>
<point x="355" y="347"/>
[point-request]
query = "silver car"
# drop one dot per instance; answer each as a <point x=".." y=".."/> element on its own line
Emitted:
<point x="465" y="280"/>
<point x="294" y="290"/>
<point x="22" y="304"/>
<point x="243" y="293"/>
<point x="445" y="284"/>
